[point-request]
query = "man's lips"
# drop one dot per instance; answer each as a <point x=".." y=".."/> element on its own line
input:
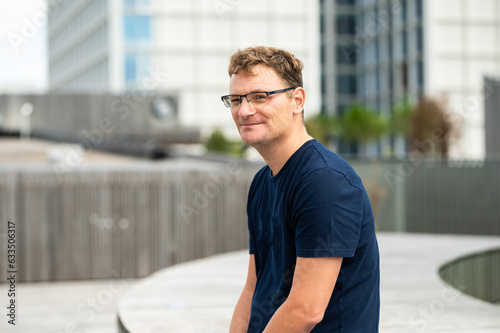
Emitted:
<point x="249" y="124"/>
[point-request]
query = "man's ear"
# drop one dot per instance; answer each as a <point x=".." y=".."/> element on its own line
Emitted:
<point x="299" y="99"/>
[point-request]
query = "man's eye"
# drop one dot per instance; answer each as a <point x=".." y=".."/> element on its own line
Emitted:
<point x="235" y="101"/>
<point x="259" y="98"/>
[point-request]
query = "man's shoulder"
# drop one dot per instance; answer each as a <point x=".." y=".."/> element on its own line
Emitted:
<point x="325" y="162"/>
<point x="313" y="160"/>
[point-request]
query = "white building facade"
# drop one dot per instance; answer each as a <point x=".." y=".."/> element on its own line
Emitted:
<point x="462" y="46"/>
<point x="179" y="48"/>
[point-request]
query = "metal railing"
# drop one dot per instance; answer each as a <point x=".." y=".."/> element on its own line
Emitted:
<point x="434" y="196"/>
<point x="129" y="223"/>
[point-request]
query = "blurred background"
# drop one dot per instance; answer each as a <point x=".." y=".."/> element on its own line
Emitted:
<point x="117" y="157"/>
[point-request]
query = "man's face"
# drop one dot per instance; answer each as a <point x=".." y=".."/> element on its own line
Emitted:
<point x="265" y="124"/>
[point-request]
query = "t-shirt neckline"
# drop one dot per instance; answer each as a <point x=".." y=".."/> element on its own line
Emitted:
<point x="283" y="170"/>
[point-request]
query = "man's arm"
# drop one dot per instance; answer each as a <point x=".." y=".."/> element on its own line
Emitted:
<point x="312" y="287"/>
<point x="241" y="315"/>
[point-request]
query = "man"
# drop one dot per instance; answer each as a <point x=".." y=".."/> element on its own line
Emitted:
<point x="314" y="261"/>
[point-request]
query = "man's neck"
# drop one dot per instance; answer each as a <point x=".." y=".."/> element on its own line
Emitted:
<point x="278" y="154"/>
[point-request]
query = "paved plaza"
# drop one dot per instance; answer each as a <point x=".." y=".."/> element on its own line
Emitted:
<point x="199" y="296"/>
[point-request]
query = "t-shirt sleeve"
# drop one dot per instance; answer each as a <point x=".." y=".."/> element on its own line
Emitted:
<point x="327" y="215"/>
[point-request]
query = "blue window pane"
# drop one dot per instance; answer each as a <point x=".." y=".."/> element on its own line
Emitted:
<point x="134" y="3"/>
<point x="130" y="67"/>
<point x="137" y="28"/>
<point x="137" y="67"/>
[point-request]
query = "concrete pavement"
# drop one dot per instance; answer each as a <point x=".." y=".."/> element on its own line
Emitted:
<point x="199" y="296"/>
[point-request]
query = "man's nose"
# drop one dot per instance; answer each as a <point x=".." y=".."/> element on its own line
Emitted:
<point x="246" y="108"/>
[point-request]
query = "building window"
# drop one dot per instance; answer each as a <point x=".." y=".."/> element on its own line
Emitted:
<point x="346" y="24"/>
<point x="420" y="39"/>
<point x="419" y="9"/>
<point x="346" y="84"/>
<point x="405" y="11"/>
<point x="346" y="54"/>
<point x="377" y="83"/>
<point x="137" y="28"/>
<point x="404" y="36"/>
<point x="130" y="68"/>
<point x="323" y="85"/>
<point x="404" y="76"/>
<point x="390" y="47"/>
<point x="136" y="67"/>
<point x="420" y="73"/>
<point x="136" y="3"/>
<point x="322" y="24"/>
<point x="341" y="108"/>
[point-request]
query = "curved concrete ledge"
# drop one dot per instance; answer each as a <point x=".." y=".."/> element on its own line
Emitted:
<point x="199" y="296"/>
<point x="480" y="271"/>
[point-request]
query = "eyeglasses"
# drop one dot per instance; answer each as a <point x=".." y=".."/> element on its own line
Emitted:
<point x="255" y="99"/>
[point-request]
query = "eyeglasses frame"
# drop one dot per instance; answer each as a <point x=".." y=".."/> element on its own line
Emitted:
<point x="255" y="92"/>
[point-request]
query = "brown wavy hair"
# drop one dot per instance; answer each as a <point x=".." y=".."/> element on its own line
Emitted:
<point x="288" y="68"/>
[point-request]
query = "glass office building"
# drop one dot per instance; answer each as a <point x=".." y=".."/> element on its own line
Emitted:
<point x="372" y="53"/>
<point x="376" y="52"/>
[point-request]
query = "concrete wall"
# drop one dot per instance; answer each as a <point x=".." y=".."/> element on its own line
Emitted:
<point x="433" y="196"/>
<point x="98" y="120"/>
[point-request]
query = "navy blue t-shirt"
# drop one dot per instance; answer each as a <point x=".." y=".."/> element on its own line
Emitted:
<point x="316" y="206"/>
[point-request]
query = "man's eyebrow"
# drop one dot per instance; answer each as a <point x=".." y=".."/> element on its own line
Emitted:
<point x="250" y="92"/>
<point x="254" y="91"/>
